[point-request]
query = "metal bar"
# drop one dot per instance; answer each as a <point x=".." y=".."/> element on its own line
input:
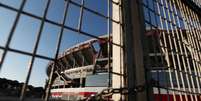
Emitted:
<point x="134" y="26"/>
<point x="23" y="92"/>
<point x="188" y="62"/>
<point x="165" y="48"/>
<point x="180" y="46"/>
<point x="81" y="16"/>
<point x="192" y="43"/>
<point x="159" y="46"/>
<point x="178" y="25"/>
<point x="26" y="53"/>
<point x="128" y="40"/>
<point x="95" y="12"/>
<point x="195" y="6"/>
<point x="95" y="63"/>
<point x="176" y="48"/>
<point x="193" y="33"/>
<point x="198" y="29"/>
<point x="155" y="45"/>
<point x="43" y="19"/>
<point x="57" y="50"/>
<point x="109" y="45"/>
<point x="10" y="36"/>
<point x="80" y="27"/>
<point x="193" y="53"/>
<point x="176" y="90"/>
<point x="172" y="54"/>
<point x="57" y="24"/>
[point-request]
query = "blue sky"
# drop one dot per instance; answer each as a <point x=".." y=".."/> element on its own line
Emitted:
<point x="16" y="65"/>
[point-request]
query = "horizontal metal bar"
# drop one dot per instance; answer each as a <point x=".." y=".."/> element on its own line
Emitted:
<point x="58" y="24"/>
<point x="27" y="53"/>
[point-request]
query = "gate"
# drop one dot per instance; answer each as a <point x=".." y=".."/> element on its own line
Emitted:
<point x="171" y="50"/>
<point x="149" y="49"/>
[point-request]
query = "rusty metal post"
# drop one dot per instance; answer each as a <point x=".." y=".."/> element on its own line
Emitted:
<point x="134" y="29"/>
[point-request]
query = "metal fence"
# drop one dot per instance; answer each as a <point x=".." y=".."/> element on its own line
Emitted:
<point x="74" y="20"/>
<point x="154" y="48"/>
<point x="173" y="44"/>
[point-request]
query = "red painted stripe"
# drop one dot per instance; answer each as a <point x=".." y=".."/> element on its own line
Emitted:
<point x="56" y="94"/>
<point x="157" y="97"/>
<point x="86" y="94"/>
<point x="165" y="97"/>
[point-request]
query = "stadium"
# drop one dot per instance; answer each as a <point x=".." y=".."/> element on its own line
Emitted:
<point x="82" y="70"/>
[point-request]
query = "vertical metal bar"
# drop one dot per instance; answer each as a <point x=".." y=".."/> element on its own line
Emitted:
<point x="128" y="44"/>
<point x="49" y="83"/>
<point x="57" y="49"/>
<point x="134" y="27"/>
<point x="174" y="69"/>
<point x="166" y="51"/>
<point x="198" y="29"/>
<point x="162" y="52"/>
<point x="109" y="43"/>
<point x="11" y="33"/>
<point x="34" y="52"/>
<point x="79" y="29"/>
<point x="194" y="50"/>
<point x="179" y="31"/>
<point x="154" y="49"/>
<point x="197" y="55"/>
<point x="186" y="54"/>
<point x="194" y="53"/>
<point x="81" y="78"/>
<point x="81" y="16"/>
<point x="173" y="30"/>
<point x="191" y="40"/>
<point x="193" y="84"/>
